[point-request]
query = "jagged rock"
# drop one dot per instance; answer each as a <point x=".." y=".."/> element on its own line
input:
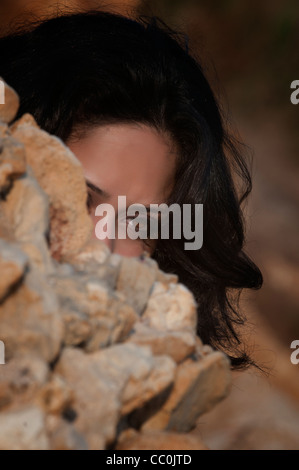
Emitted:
<point x="124" y="376"/>
<point x="146" y="375"/>
<point x="23" y="429"/>
<point x="97" y="396"/>
<point x="13" y="263"/>
<point x="55" y="396"/>
<point x="20" y="380"/>
<point x="93" y="254"/>
<point x="25" y="212"/>
<point x="159" y="440"/>
<point x="9" y="109"/>
<point x="176" y="344"/>
<point x="136" y="279"/>
<point x="30" y="320"/>
<point x="198" y="386"/>
<point x="60" y="175"/>
<point x="92" y="313"/>
<point x="12" y="161"/>
<point x="170" y="307"/>
<point x="4" y="131"/>
<point x="63" y="435"/>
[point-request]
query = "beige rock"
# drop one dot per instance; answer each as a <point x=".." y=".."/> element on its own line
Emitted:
<point x="4" y="130"/>
<point x="198" y="386"/>
<point x="176" y="344"/>
<point x="55" y="396"/>
<point x="93" y="254"/>
<point x="63" y="435"/>
<point x="91" y="312"/>
<point x="60" y="175"/>
<point x="13" y="263"/>
<point x="9" y="109"/>
<point x="23" y="429"/>
<point x="30" y="320"/>
<point x="160" y="440"/>
<point x="21" y="379"/>
<point x="148" y="376"/>
<point x="12" y="161"/>
<point x="135" y="281"/>
<point x="25" y="213"/>
<point x="170" y="307"/>
<point x="96" y="396"/>
<point x="167" y="278"/>
<point x="126" y="377"/>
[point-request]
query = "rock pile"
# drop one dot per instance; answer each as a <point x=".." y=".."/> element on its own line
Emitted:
<point x="100" y="350"/>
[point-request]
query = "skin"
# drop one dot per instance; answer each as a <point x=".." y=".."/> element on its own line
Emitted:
<point x="131" y="160"/>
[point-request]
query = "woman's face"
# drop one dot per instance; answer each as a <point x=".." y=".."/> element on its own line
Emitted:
<point x="131" y="160"/>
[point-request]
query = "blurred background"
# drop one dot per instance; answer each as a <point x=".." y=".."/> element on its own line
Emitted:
<point x="250" y="53"/>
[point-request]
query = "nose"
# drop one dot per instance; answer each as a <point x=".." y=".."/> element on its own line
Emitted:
<point x="124" y="247"/>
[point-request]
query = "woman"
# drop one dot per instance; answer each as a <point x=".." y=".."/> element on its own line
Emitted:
<point x="138" y="112"/>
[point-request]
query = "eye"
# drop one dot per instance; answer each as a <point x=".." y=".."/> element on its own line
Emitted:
<point x="141" y="227"/>
<point x="89" y="201"/>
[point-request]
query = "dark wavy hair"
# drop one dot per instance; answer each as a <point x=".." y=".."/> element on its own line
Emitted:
<point x="87" y="69"/>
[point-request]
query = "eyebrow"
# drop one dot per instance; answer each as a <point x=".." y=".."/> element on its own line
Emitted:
<point x="103" y="193"/>
<point x="96" y="189"/>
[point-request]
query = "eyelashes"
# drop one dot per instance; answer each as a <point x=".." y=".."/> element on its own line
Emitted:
<point x="92" y="203"/>
<point x="89" y="202"/>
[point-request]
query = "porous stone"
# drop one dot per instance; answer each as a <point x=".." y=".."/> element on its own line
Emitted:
<point x="160" y="440"/>
<point x="198" y="386"/>
<point x="176" y="344"/>
<point x="60" y="175"/>
<point x="170" y="307"/>
<point x="23" y="429"/>
<point x="30" y="320"/>
<point x="21" y="379"/>
<point x="12" y="161"/>
<point x="13" y="264"/>
<point x="136" y="279"/>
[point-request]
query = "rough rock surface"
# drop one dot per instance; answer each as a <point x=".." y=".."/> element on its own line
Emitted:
<point x="100" y="350"/>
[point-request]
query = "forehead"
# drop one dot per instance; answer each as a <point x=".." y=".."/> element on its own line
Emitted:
<point x="128" y="159"/>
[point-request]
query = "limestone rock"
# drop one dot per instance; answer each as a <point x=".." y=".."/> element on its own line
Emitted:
<point x="159" y="440"/>
<point x="147" y="376"/>
<point x="55" y="396"/>
<point x="9" y="108"/>
<point x="136" y="279"/>
<point x="30" y="321"/>
<point x="176" y="344"/>
<point x="60" y="175"/>
<point x="170" y="307"/>
<point x="12" y="161"/>
<point x="13" y="263"/>
<point x="93" y="254"/>
<point x="23" y="429"/>
<point x="21" y="379"/>
<point x="97" y="397"/>
<point x="198" y="386"/>
<point x="91" y="312"/>
<point x="63" y="435"/>
<point x="26" y="214"/>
